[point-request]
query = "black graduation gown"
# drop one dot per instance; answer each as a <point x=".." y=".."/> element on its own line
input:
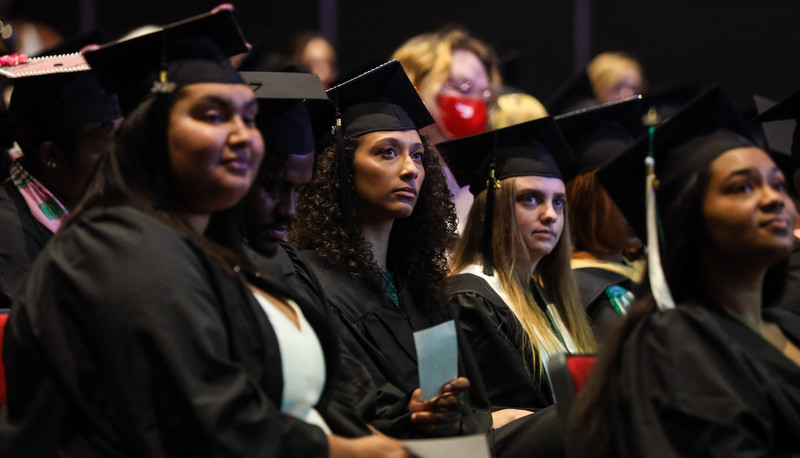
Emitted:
<point x="22" y="238"/>
<point x="698" y="382"/>
<point x="790" y="299"/>
<point x="128" y="340"/>
<point x="496" y="338"/>
<point x="380" y="336"/>
<point x="592" y="284"/>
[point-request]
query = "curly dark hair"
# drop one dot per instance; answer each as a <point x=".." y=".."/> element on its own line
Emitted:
<point x="418" y="245"/>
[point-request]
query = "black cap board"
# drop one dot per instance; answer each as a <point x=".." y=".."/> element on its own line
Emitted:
<point x="382" y="99"/>
<point x="532" y="148"/>
<point x="684" y="144"/>
<point x="600" y="133"/>
<point x="191" y="51"/>
<point x="576" y="93"/>
<point x="780" y="122"/>
<point x="293" y="110"/>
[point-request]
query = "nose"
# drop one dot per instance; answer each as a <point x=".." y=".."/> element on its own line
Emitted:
<point x="241" y="134"/>
<point x="410" y="170"/>
<point x="772" y="200"/>
<point x="549" y="215"/>
<point x="287" y="205"/>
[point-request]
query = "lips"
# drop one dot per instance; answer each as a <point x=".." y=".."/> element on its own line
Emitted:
<point x="237" y="163"/>
<point x="546" y="234"/>
<point x="779" y="224"/>
<point x="406" y="192"/>
<point x="275" y="232"/>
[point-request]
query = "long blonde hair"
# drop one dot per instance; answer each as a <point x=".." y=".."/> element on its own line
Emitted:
<point x="512" y="266"/>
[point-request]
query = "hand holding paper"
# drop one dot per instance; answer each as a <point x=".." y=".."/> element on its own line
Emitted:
<point x="434" y="406"/>
<point x="437" y="357"/>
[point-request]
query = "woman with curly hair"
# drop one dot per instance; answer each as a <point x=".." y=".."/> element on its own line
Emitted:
<point x="376" y="225"/>
<point x="512" y="286"/>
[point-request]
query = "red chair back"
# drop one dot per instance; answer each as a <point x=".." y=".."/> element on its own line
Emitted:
<point x="3" y="321"/>
<point x="568" y="375"/>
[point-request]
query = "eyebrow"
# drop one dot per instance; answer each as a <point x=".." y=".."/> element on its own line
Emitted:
<point x="226" y="101"/>
<point x="539" y="191"/>
<point x="753" y="172"/>
<point x="391" y="141"/>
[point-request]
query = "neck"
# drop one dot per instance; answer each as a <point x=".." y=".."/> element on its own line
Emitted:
<point x="377" y="235"/>
<point x="735" y="286"/>
<point x="197" y="221"/>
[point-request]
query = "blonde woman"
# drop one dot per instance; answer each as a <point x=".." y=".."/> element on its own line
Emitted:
<point x="615" y="76"/>
<point x="513" y="291"/>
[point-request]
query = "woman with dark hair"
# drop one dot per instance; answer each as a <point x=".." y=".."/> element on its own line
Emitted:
<point x="63" y="123"/>
<point x="698" y="367"/>
<point x="601" y="236"/>
<point x="142" y="330"/>
<point x="513" y="289"/>
<point x="378" y="240"/>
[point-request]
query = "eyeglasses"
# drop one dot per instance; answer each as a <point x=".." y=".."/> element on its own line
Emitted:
<point x="467" y="88"/>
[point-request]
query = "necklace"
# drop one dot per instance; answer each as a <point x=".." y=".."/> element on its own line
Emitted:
<point x="391" y="289"/>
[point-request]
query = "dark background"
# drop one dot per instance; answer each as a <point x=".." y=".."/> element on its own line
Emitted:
<point x="748" y="46"/>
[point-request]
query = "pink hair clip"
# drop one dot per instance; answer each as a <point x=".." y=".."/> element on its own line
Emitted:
<point x="11" y="60"/>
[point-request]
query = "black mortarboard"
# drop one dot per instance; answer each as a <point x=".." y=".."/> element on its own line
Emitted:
<point x="191" y="51"/>
<point x="57" y="92"/>
<point x="598" y="134"/>
<point x="574" y="94"/>
<point x="780" y="123"/>
<point x="382" y="99"/>
<point x="533" y="148"/>
<point x="661" y="103"/>
<point x="684" y="144"/>
<point x="294" y="110"/>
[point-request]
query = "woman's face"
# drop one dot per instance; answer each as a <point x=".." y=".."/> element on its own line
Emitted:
<point x="748" y="213"/>
<point x="214" y="146"/>
<point x="461" y="101"/>
<point x="540" y="204"/>
<point x="627" y="84"/>
<point x="388" y="174"/>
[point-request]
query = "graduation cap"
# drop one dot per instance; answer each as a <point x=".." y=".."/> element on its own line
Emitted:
<point x="777" y="127"/>
<point x="686" y="143"/>
<point x="661" y="103"/>
<point x="54" y="94"/>
<point x="600" y="133"/>
<point x="382" y="99"/>
<point x="191" y="51"/>
<point x="534" y="148"/>
<point x="294" y="110"/>
<point x="574" y="94"/>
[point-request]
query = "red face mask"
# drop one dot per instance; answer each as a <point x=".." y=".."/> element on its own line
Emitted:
<point x="461" y="116"/>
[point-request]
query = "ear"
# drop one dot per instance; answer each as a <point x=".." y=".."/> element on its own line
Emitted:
<point x="50" y="155"/>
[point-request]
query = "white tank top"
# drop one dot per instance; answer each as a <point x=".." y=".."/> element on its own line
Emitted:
<point x="302" y="361"/>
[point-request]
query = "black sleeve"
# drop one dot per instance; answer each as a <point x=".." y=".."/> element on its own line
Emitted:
<point x="123" y="313"/>
<point x="506" y="365"/>
<point x="689" y="393"/>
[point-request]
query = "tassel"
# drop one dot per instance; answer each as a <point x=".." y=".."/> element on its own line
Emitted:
<point x="658" y="282"/>
<point x="488" y="258"/>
